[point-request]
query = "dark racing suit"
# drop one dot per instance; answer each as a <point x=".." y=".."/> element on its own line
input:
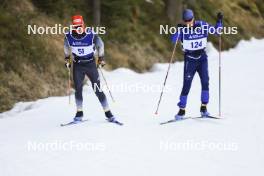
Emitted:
<point x="83" y="48"/>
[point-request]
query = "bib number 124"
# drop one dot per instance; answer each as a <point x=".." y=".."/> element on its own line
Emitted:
<point x="196" y="44"/>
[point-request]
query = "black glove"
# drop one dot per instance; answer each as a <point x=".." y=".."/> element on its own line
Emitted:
<point x="67" y="62"/>
<point x="101" y="62"/>
<point x="220" y="16"/>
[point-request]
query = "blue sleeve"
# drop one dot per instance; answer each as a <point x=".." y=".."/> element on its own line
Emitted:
<point x="176" y="36"/>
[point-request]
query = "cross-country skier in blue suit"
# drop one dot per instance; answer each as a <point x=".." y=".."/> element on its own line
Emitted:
<point x="193" y="36"/>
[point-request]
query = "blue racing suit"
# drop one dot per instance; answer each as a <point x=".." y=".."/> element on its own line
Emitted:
<point x="194" y="41"/>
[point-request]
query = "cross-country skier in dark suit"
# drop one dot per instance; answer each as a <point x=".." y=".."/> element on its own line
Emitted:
<point x="195" y="57"/>
<point x="82" y="44"/>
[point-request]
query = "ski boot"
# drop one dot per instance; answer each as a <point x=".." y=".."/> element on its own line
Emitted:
<point x="109" y="116"/>
<point x="180" y="114"/>
<point x="78" y="117"/>
<point x="203" y="110"/>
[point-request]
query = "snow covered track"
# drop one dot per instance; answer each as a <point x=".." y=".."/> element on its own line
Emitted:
<point x="33" y="143"/>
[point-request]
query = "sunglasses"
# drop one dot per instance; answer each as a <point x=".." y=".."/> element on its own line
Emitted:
<point x="187" y="21"/>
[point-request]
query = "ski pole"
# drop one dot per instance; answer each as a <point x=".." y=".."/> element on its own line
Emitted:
<point x="106" y="84"/>
<point x="165" y="80"/>
<point x="69" y="84"/>
<point x="220" y="43"/>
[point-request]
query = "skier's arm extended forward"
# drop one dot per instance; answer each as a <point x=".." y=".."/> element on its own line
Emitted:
<point x="99" y="45"/>
<point x="67" y="51"/>
<point x="218" y="27"/>
<point x="178" y="35"/>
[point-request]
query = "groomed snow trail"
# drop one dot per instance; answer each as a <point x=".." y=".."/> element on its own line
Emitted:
<point x="231" y="146"/>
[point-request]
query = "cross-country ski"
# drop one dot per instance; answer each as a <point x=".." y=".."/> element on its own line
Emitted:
<point x="185" y="118"/>
<point x="85" y="120"/>
<point x="73" y="123"/>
